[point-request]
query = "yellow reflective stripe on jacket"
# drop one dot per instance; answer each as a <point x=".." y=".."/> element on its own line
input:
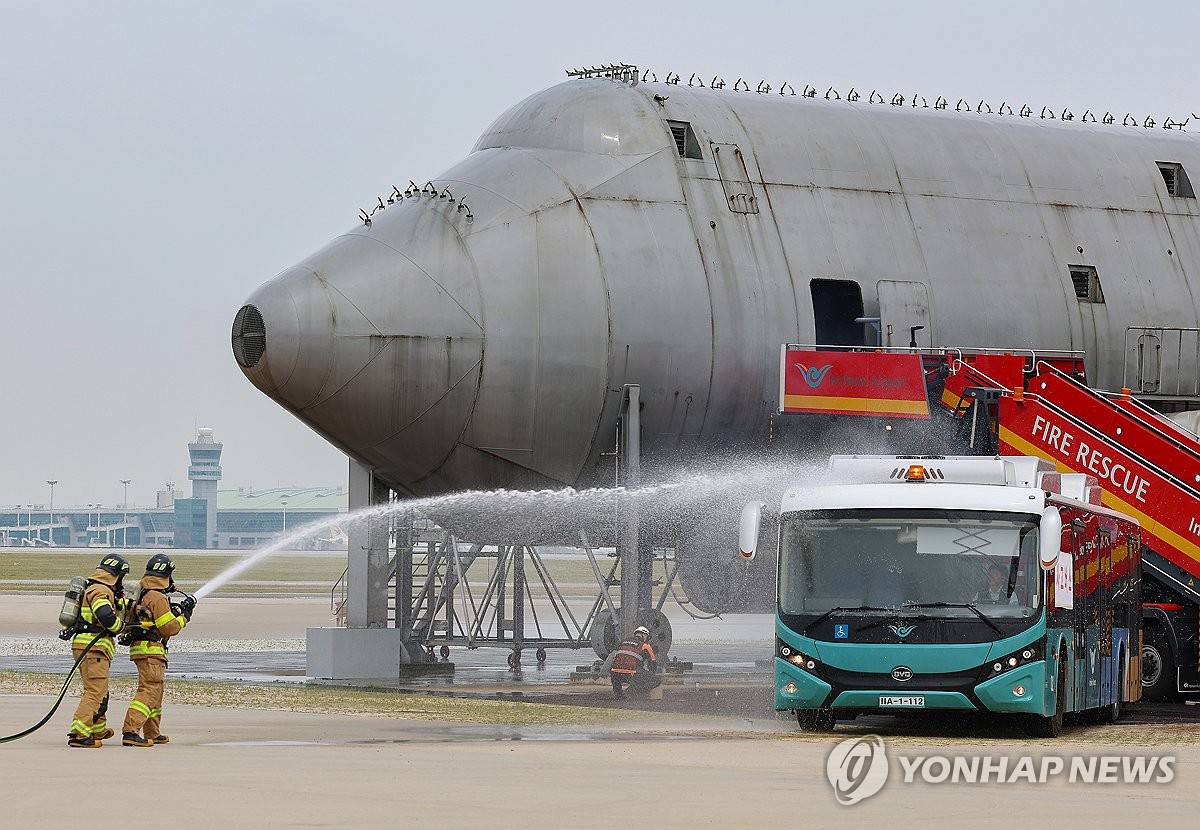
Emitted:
<point x="167" y="617"/>
<point x="104" y="644"/>
<point x="147" y="648"/>
<point x="88" y="612"/>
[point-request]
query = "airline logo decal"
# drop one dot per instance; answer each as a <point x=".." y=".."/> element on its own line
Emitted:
<point x="853" y="383"/>
<point x="814" y="376"/>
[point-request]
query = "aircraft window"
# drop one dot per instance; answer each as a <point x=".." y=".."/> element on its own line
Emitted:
<point x="1087" y="283"/>
<point x="1176" y="179"/>
<point x="685" y="140"/>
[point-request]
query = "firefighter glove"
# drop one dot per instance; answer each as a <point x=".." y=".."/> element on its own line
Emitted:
<point x="187" y="605"/>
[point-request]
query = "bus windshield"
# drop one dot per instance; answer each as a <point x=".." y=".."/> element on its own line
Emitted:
<point x="934" y="561"/>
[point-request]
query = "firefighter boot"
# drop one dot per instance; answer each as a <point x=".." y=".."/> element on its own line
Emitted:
<point x="161" y="739"/>
<point x="134" y="739"/>
<point x="83" y="741"/>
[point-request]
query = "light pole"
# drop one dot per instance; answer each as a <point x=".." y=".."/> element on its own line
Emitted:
<point x="125" y="515"/>
<point x="284" y="503"/>
<point x="51" y="482"/>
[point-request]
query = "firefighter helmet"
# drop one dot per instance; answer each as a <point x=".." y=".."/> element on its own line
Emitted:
<point x="115" y="564"/>
<point x="160" y="565"/>
<point x="641" y="629"/>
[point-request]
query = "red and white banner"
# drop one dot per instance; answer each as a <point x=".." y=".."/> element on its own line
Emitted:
<point x="852" y="383"/>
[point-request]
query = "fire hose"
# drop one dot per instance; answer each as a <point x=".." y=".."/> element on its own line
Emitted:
<point x="58" y="700"/>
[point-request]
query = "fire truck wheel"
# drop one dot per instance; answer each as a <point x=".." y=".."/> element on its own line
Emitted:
<point x="1158" y="667"/>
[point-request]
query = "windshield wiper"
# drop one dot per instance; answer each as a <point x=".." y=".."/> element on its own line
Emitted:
<point x="968" y="605"/>
<point x="839" y="610"/>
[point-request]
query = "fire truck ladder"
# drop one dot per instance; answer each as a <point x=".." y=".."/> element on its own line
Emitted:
<point x="1147" y="466"/>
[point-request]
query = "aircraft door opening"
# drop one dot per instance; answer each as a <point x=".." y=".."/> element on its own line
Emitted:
<point x="837" y="305"/>
<point x="904" y="313"/>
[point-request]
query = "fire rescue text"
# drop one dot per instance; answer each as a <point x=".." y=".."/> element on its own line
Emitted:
<point x="1083" y="457"/>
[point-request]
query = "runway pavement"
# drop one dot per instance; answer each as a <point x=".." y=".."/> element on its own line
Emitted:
<point x="668" y="767"/>
<point x="238" y="768"/>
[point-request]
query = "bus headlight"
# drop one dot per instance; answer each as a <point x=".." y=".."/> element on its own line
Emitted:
<point x="797" y="658"/>
<point x="1027" y="654"/>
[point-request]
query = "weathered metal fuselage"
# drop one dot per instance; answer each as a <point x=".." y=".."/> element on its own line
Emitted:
<point x="478" y="333"/>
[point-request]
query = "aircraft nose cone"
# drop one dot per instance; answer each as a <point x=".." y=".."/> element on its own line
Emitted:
<point x="280" y="355"/>
<point x="377" y="347"/>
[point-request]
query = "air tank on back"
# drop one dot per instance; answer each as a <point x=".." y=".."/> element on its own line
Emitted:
<point x="477" y="332"/>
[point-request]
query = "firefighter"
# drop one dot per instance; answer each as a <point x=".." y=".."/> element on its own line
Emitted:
<point x="158" y="620"/>
<point x="634" y="663"/>
<point x="101" y="611"/>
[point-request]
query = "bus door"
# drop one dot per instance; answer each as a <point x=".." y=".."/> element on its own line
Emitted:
<point x="1105" y="613"/>
<point x="1089" y="619"/>
<point x="1077" y="682"/>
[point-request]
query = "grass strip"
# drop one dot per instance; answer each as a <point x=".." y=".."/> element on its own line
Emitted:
<point x="327" y="700"/>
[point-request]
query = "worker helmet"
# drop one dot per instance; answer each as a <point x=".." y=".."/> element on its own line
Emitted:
<point x="160" y="565"/>
<point x="115" y="564"/>
<point x="641" y="629"/>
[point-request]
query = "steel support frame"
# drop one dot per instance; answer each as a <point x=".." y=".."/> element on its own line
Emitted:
<point x="636" y="554"/>
<point x="368" y="567"/>
<point x="497" y="618"/>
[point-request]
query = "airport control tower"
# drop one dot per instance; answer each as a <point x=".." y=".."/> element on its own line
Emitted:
<point x="205" y="472"/>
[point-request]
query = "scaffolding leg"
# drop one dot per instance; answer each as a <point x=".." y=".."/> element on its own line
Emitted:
<point x="628" y="546"/>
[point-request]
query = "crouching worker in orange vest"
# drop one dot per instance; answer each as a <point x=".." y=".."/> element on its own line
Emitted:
<point x="158" y="620"/>
<point x="101" y="610"/>
<point x="635" y="663"/>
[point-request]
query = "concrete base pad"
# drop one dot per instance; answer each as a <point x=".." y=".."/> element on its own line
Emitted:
<point x="358" y="653"/>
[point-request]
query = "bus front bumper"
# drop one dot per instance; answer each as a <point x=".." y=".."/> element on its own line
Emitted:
<point x="1019" y="690"/>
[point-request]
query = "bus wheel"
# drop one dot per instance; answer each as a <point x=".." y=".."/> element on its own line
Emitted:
<point x="1040" y="727"/>
<point x="816" y="720"/>
<point x="1158" y="669"/>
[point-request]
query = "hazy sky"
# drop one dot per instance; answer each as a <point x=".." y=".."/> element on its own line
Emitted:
<point x="158" y="161"/>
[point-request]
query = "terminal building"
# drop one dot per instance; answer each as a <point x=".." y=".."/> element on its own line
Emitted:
<point x="212" y="518"/>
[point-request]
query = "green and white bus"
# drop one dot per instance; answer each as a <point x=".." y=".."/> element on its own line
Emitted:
<point x="953" y="583"/>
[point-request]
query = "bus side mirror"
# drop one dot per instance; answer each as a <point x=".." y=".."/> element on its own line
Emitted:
<point x="1049" y="538"/>
<point x="748" y="529"/>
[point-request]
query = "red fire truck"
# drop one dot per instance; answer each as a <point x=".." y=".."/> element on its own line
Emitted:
<point x="929" y="402"/>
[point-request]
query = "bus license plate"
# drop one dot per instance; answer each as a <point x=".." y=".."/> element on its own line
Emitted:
<point x="906" y="700"/>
